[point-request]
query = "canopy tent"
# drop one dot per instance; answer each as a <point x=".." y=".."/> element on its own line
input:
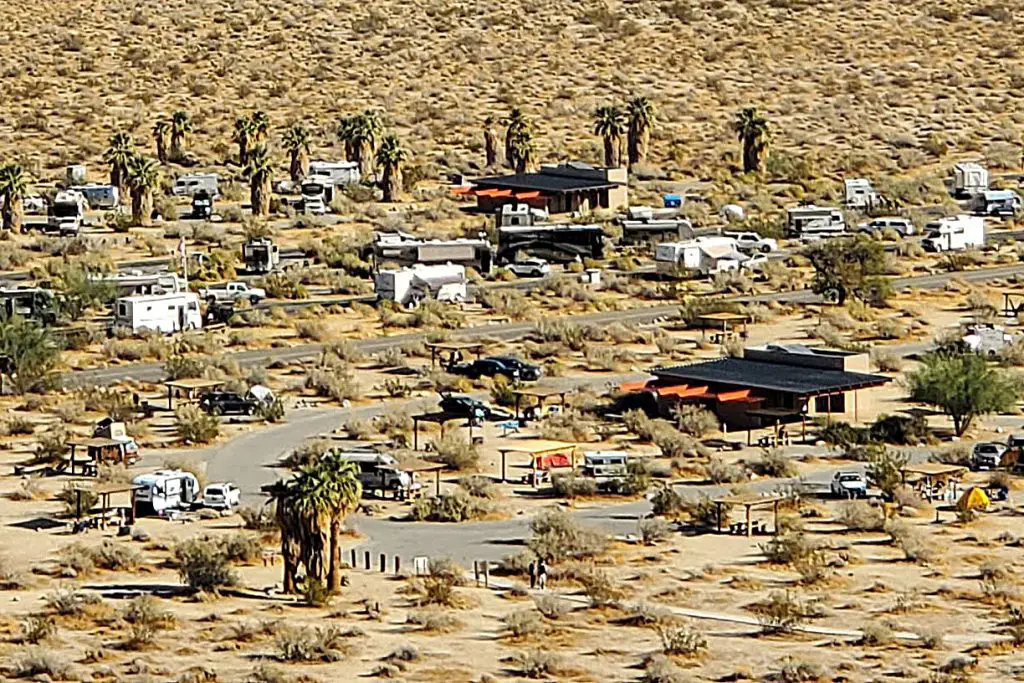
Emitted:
<point x="973" y="499"/>
<point x="748" y="502"/>
<point x="541" y="451"/>
<point x="189" y="386"/>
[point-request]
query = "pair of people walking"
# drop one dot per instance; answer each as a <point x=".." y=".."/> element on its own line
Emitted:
<point x="538" y="574"/>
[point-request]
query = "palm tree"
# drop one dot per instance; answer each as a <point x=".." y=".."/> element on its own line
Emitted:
<point x="342" y="480"/>
<point x="181" y="126"/>
<point x="515" y="122"/>
<point x="13" y="184"/>
<point x="522" y="148"/>
<point x="365" y="132"/>
<point x="641" y="115"/>
<point x="242" y="136"/>
<point x="490" y="143"/>
<point x="143" y="177"/>
<point x="390" y="156"/>
<point x="610" y="124"/>
<point x="298" y="141"/>
<point x="345" y="127"/>
<point x="120" y="150"/>
<point x="753" y="133"/>
<point x="259" y="170"/>
<point x="161" y="129"/>
<point x="260" y="126"/>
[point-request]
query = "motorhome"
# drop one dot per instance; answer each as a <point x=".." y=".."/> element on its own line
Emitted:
<point x="410" y="286"/>
<point x="605" y="467"/>
<point x="969" y="179"/>
<point x="32" y="303"/>
<point x="704" y="255"/>
<point x="202" y="205"/>
<point x="988" y="340"/>
<point x="644" y="225"/>
<point x="187" y="185"/>
<point x="814" y="222"/>
<point x="75" y="174"/>
<point x="560" y="243"/>
<point x="99" y="197"/>
<point x="260" y="255"/>
<point x="334" y="172"/>
<point x="66" y="213"/>
<point x="521" y="213"/>
<point x="380" y="471"/>
<point x="406" y="250"/>
<point x="954" y="233"/>
<point x="164" y="491"/>
<point x="860" y="194"/>
<point x="999" y="203"/>
<point x="137" y="282"/>
<point x="166" y="313"/>
<point x="317" y="196"/>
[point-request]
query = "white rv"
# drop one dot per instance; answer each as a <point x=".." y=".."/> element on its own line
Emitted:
<point x="860" y="194"/>
<point x="969" y="179"/>
<point x="954" y="234"/>
<point x="521" y="213"/>
<point x="705" y="255"/>
<point x="188" y="184"/>
<point x="261" y="255"/>
<point x="137" y="282"/>
<point x="316" y="196"/>
<point x="162" y="491"/>
<point x="380" y="471"/>
<point x="410" y="286"/>
<point x="67" y="212"/>
<point x="166" y="313"/>
<point x="100" y="197"/>
<point x="334" y="172"/>
<point x="814" y="222"/>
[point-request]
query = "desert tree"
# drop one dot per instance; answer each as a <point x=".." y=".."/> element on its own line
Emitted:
<point x="342" y="480"/>
<point x="963" y="385"/>
<point x="143" y="179"/>
<point x="28" y="353"/>
<point x="161" y="129"/>
<point x="610" y="124"/>
<point x="181" y="128"/>
<point x="242" y="136"/>
<point x="366" y="133"/>
<point x="390" y="156"/>
<point x="641" y="117"/>
<point x="490" y="143"/>
<point x="260" y="126"/>
<point x="345" y="135"/>
<point x="259" y="171"/>
<point x="13" y="185"/>
<point x="846" y="268"/>
<point x="119" y="152"/>
<point x="523" y="149"/>
<point x="885" y="470"/>
<point x="516" y="124"/>
<point x="298" y="141"/>
<point x="752" y="131"/>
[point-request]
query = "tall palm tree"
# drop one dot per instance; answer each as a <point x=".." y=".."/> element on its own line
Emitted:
<point x="365" y="133"/>
<point x="345" y="127"/>
<point x="143" y="178"/>
<point x="242" y="136"/>
<point x="342" y="480"/>
<point x="610" y="124"/>
<point x="120" y="150"/>
<point x="161" y="129"/>
<point x="754" y="136"/>
<point x="490" y="143"/>
<point x="515" y="122"/>
<point x="522" y="148"/>
<point x="181" y="127"/>
<point x="13" y="184"/>
<point x="641" y="115"/>
<point x="259" y="170"/>
<point x="390" y="156"/>
<point x="298" y="141"/>
<point x="260" y="126"/>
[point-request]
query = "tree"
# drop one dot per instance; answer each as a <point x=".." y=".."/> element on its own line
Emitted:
<point x="298" y="141"/>
<point x="120" y="150"/>
<point x="342" y="478"/>
<point x="13" y="185"/>
<point x="28" y="352"/>
<point x="81" y="292"/>
<point x="181" y="127"/>
<point x="390" y="156"/>
<point x="641" y="115"/>
<point x="490" y="143"/>
<point x="259" y="169"/>
<point x="161" y="129"/>
<point x="610" y="124"/>
<point x="516" y="124"/>
<point x="143" y="177"/>
<point x="752" y="130"/>
<point x="963" y="385"/>
<point x="242" y="136"/>
<point x="260" y="126"/>
<point x="885" y="469"/>
<point x="345" y="126"/>
<point x="522" y="150"/>
<point x="849" y="267"/>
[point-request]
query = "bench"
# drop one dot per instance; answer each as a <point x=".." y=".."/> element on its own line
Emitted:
<point x="509" y="426"/>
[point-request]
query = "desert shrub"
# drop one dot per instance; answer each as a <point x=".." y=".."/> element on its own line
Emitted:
<point x="774" y="463"/>
<point x="682" y="641"/>
<point x="930" y="639"/>
<point x="311" y="644"/>
<point x="456" y="506"/>
<point x="336" y="382"/>
<point x="433" y="620"/>
<point x="902" y="430"/>
<point x="36" y="662"/>
<point x="660" y="669"/>
<point x="76" y="560"/>
<point x="540" y="664"/>
<point x="567" y="426"/>
<point x="523" y="623"/>
<point x="551" y="607"/>
<point x="77" y="499"/>
<point x="203" y="565"/>
<point x="782" y="612"/>
<point x="263" y="518"/>
<point x="12" y="577"/>
<point x="599" y="587"/>
<point x="666" y="502"/>
<point x="788" y="548"/>
<point x="272" y="412"/>
<point x="67" y="602"/>
<point x="195" y="426"/>
<point x="558" y="537"/>
<point x="115" y="556"/>
<point x="795" y="671"/>
<point x="886" y="360"/>
<point x="572" y="486"/>
<point x="654" y="530"/>
<point x="916" y="547"/>
<point x="720" y="472"/>
<point x="52" y="446"/>
<point x="456" y="452"/>
<point x="19" y="426"/>
<point x="479" y="486"/>
<point x="315" y="592"/>
<point x="695" y="420"/>
<point x="36" y="629"/>
<point x="842" y="435"/>
<point x="860" y="515"/>
<point x="958" y="454"/>
<point x="876" y="634"/>
<point x="240" y="547"/>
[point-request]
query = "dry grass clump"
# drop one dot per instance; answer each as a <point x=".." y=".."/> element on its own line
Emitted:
<point x="37" y="662"/>
<point x="914" y="543"/>
<point x="456" y="452"/>
<point x="524" y="623"/>
<point x="682" y="641"/>
<point x="433" y="620"/>
<point x="859" y="515"/>
<point x="541" y="664"/>
<point x="312" y="644"/>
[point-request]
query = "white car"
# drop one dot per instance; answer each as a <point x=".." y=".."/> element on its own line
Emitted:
<point x="530" y="267"/>
<point x="752" y="242"/>
<point x="988" y="456"/>
<point x="904" y="226"/>
<point x="849" y="485"/>
<point x="221" y="496"/>
<point x="755" y="263"/>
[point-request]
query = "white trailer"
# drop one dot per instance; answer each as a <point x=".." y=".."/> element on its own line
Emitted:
<point x="261" y="255"/>
<point x="67" y="212"/>
<point x="190" y="183"/>
<point x="99" y="197"/>
<point x="814" y="222"/>
<point x="137" y="282"/>
<point x="705" y="255"/>
<point x="860" y="194"/>
<point x="954" y="234"/>
<point x="162" y="491"/>
<point x="166" y="313"/>
<point x="334" y="172"/>
<point x="410" y="286"/>
<point x="969" y="179"/>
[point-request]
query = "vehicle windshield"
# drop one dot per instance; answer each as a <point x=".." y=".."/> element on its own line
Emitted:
<point x="65" y="210"/>
<point x="850" y="477"/>
<point x="214" y="491"/>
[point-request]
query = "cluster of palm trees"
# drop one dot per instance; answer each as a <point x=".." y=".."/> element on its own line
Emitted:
<point x="311" y="508"/>
<point x="249" y="132"/>
<point x="133" y="173"/>
<point x="754" y="136"/>
<point x="634" y="122"/>
<point x="519" y="146"/>
<point x="13" y="185"/>
<point x="361" y="133"/>
<point x="178" y="127"/>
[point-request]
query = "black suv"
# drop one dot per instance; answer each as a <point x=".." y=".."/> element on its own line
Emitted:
<point x="228" y="403"/>
<point x="510" y="367"/>
<point x="470" y="407"/>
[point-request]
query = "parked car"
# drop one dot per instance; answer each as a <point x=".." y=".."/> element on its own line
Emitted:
<point x="510" y="367"/>
<point x="228" y="403"/>
<point x="459" y="404"/>
<point x="988" y="456"/>
<point x="904" y="226"/>
<point x="752" y="242"/>
<point x="530" y="267"/>
<point x="849" y="485"/>
<point x="755" y="263"/>
<point x="221" y="496"/>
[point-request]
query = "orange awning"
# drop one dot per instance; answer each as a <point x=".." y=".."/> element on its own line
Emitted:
<point x="487" y="193"/>
<point x="462" y="189"/>
<point x="528" y="195"/>
<point x="633" y="387"/>
<point x="738" y="395"/>
<point x="682" y="391"/>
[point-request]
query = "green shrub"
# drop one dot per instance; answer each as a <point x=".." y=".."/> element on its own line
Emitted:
<point x="195" y="426"/>
<point x="271" y="412"/>
<point x="781" y="613"/>
<point x="457" y="506"/>
<point x="456" y="452"/>
<point x="774" y="463"/>
<point x="203" y="565"/>
<point x="695" y="420"/>
<point x="558" y="537"/>
<point x="572" y="486"/>
<point x="306" y="644"/>
<point x="654" y="530"/>
<point x="902" y="430"/>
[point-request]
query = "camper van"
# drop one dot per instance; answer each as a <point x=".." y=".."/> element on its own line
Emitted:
<point x="954" y="234"/>
<point x="166" y="313"/>
<point x="334" y="172"/>
<point x="163" y="491"/>
<point x="190" y="183"/>
<point x="66" y="213"/>
<point x="705" y="255"/>
<point x="969" y="179"/>
<point x="380" y="471"/>
<point x="814" y="222"/>
<point x="410" y="286"/>
<point x="99" y="197"/>
<point x="860" y="194"/>
<point x="260" y="255"/>
<point x="605" y="467"/>
<point x="317" y="195"/>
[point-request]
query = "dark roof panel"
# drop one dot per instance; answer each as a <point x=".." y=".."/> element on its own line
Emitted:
<point x="791" y="379"/>
<point x="543" y="182"/>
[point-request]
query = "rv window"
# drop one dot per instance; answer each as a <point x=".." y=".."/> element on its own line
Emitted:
<point x="122" y="309"/>
<point x="192" y="306"/>
<point x="171" y="307"/>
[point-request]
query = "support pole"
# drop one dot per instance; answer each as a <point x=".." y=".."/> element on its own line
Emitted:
<point x="383" y="563"/>
<point x="366" y="560"/>
<point x="437" y="482"/>
<point x="749" y="530"/>
<point x="503" y="454"/>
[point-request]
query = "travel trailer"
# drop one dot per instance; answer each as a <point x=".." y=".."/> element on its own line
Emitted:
<point x="316" y="196"/>
<point x="406" y="250"/>
<point x="191" y="183"/>
<point x="31" y="303"/>
<point x="705" y="255"/>
<point x="520" y="213"/>
<point x="202" y="205"/>
<point x="969" y="179"/>
<point x="166" y="313"/>
<point x="67" y="212"/>
<point x="999" y="203"/>
<point x="410" y="286"/>
<point x="334" y="172"/>
<point x="560" y="243"/>
<point x="814" y="222"/>
<point x="137" y="282"/>
<point x="260" y="255"/>
<point x="644" y="225"/>
<point x="954" y="234"/>
<point x="99" y="197"/>
<point x="605" y="467"/>
<point x="75" y="174"/>
<point x="164" y="491"/>
<point x="860" y="194"/>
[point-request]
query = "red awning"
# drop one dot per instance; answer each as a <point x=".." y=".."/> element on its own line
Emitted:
<point x="682" y="391"/>
<point x="551" y="461"/>
<point x="738" y="395"/>
<point x="633" y="387"/>
<point x="528" y="195"/>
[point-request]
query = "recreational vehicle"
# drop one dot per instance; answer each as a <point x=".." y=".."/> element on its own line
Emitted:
<point x="99" y="197"/>
<point x="379" y="471"/>
<point x="860" y="194"/>
<point x="999" y="203"/>
<point x="137" y="282"/>
<point x="969" y="179"/>
<point x="704" y="255"/>
<point x="31" y="303"/>
<point x="191" y="183"/>
<point x="954" y="234"/>
<point x="644" y="225"/>
<point x="406" y="250"/>
<point x="67" y="212"/>
<point x="260" y="255"/>
<point x="554" y="242"/>
<point x="166" y="313"/>
<point x="316" y="196"/>
<point x="519" y="214"/>
<point x="162" y="491"/>
<point x="605" y="467"/>
<point x="334" y="172"/>
<point x="814" y="222"/>
<point x="202" y="205"/>
<point x="410" y="286"/>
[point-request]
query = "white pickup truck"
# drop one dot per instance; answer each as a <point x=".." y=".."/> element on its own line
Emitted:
<point x="232" y="291"/>
<point x="749" y="242"/>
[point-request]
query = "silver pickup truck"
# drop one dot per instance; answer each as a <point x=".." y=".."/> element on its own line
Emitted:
<point x="232" y="291"/>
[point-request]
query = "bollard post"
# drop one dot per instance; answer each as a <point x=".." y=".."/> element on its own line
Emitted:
<point x="476" y="572"/>
<point x="383" y="563"/>
<point x="398" y="565"/>
<point x="366" y="560"/>
<point x="487" y="574"/>
<point x="353" y="562"/>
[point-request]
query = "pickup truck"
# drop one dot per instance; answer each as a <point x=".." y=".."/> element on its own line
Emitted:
<point x="748" y="242"/>
<point x="232" y="291"/>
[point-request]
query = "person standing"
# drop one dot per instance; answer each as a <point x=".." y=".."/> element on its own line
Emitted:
<point x="532" y="571"/>
<point x="542" y="575"/>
